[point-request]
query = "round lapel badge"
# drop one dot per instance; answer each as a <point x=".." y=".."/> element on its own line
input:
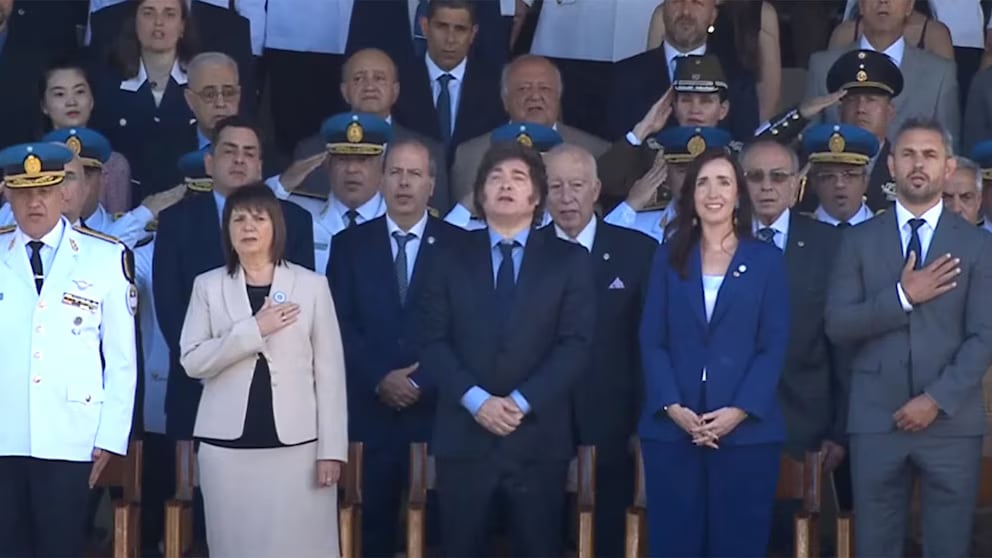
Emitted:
<point x="279" y="297"/>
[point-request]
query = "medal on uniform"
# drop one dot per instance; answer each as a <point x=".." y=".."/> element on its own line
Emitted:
<point x="279" y="297"/>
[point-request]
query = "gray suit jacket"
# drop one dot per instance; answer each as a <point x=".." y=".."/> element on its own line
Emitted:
<point x="318" y="183"/>
<point x="469" y="155"/>
<point x="942" y="347"/>
<point x="978" y="111"/>
<point x="930" y="88"/>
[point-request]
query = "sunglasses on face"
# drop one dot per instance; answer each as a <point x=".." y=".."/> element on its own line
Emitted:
<point x="776" y="176"/>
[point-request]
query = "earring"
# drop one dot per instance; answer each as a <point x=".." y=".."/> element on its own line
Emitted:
<point x="735" y="216"/>
<point x="710" y="29"/>
<point x="695" y="222"/>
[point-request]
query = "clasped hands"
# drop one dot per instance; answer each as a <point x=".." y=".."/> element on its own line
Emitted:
<point x="706" y="430"/>
<point x="396" y="390"/>
<point x="499" y="415"/>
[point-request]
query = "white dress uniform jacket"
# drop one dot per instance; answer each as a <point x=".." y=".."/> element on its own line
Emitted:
<point x="153" y="347"/>
<point x="69" y="371"/>
<point x="129" y="228"/>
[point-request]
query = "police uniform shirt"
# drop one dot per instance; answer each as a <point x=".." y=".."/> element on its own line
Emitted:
<point x="6" y="215"/>
<point x="651" y="223"/>
<point x="780" y="226"/>
<point x="69" y="365"/>
<point x="129" y="228"/>
<point x="331" y="220"/>
<point x="308" y="25"/>
<point x="153" y="347"/>
<point x="987" y="225"/>
<point x="594" y="30"/>
<point x="586" y="237"/>
<point x="862" y="215"/>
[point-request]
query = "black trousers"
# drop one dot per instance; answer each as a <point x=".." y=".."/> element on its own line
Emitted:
<point x="44" y="507"/>
<point x="614" y="492"/>
<point x="532" y="494"/>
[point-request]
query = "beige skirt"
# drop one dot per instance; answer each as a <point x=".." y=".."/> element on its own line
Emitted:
<point x="265" y="503"/>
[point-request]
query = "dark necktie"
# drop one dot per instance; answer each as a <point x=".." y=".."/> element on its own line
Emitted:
<point x="505" y="278"/>
<point x="36" y="269"/>
<point x="843" y="225"/>
<point x="767" y="234"/>
<point x="444" y="107"/>
<point x="419" y="40"/>
<point x="352" y="216"/>
<point x="915" y="245"/>
<point x="400" y="263"/>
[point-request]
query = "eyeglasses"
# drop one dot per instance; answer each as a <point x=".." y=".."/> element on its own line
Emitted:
<point x="776" y="176"/>
<point x="834" y="177"/>
<point x="229" y="93"/>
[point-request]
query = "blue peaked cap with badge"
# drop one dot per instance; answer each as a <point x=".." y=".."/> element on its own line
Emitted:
<point x="683" y="143"/>
<point x="536" y="136"/>
<point x="839" y="143"/>
<point x="982" y="155"/>
<point x="194" y="171"/>
<point x="91" y="146"/>
<point x="34" y="165"/>
<point x="356" y="133"/>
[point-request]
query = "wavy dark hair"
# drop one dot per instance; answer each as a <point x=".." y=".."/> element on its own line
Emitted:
<point x="125" y="55"/>
<point x="506" y="151"/>
<point x="688" y="231"/>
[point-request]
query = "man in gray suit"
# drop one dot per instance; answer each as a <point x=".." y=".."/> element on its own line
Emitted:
<point x="911" y="291"/>
<point x="531" y="93"/>
<point x="930" y="82"/>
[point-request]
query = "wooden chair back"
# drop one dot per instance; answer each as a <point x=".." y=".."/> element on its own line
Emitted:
<point x="350" y="506"/>
<point x="179" y="509"/>
<point x="125" y="473"/>
<point x="803" y="481"/>
<point x="635" y="538"/>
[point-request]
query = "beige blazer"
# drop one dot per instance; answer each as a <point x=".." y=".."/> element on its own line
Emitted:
<point x="220" y="341"/>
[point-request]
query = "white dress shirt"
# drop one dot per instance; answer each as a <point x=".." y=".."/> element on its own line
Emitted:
<point x="780" y="226"/>
<point x="153" y="346"/>
<point x="331" y="220"/>
<point x="895" y="51"/>
<point x="137" y="81"/>
<point x="586" y="236"/>
<point x="454" y="86"/>
<point x="460" y="216"/>
<point x="50" y="243"/>
<point x="412" y="245"/>
<point x="309" y="25"/>
<point x="925" y="232"/>
<point x="651" y="223"/>
<point x="594" y="30"/>
<point x="861" y="216"/>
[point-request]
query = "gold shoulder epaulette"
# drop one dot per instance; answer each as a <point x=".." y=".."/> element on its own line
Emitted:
<point x="8" y="229"/>
<point x="100" y="235"/>
<point x="322" y="197"/>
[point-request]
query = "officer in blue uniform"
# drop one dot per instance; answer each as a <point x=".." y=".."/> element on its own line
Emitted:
<point x="838" y="156"/>
<point x="67" y="383"/>
<point x="982" y="154"/>
<point x="537" y="136"/>
<point x="650" y="204"/>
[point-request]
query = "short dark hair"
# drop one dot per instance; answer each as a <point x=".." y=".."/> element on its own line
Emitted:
<point x="412" y="142"/>
<point x="125" y="55"/>
<point x="466" y="5"/>
<point x="687" y="231"/>
<point x="70" y="62"/>
<point x="501" y="152"/>
<point x="928" y="124"/>
<point x="255" y="197"/>
<point x="235" y="121"/>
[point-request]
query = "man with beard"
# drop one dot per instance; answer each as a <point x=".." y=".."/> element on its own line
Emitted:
<point x="910" y="290"/>
<point x="838" y="155"/>
<point x="982" y="154"/>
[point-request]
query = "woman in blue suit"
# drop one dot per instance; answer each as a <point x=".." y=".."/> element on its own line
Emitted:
<point x="713" y="341"/>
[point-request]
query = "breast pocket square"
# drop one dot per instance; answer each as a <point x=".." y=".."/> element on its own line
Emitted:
<point x="616" y="284"/>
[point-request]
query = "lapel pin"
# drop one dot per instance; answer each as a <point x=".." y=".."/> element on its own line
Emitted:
<point x="741" y="268"/>
<point x="279" y="297"/>
<point x="123" y="122"/>
<point x="81" y="285"/>
<point x="606" y="256"/>
<point x="430" y="240"/>
<point x="77" y="321"/>
<point x="736" y="274"/>
<point x="800" y="244"/>
<point x="73" y="245"/>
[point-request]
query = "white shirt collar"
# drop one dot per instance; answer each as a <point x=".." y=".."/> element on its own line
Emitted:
<point x="586" y="237"/>
<point x="895" y="50"/>
<point x="931" y="216"/>
<point x="52" y="239"/>
<point x="367" y="211"/>
<point x="671" y="52"/>
<point x="137" y="81"/>
<point x="434" y="71"/>
<point x="417" y="230"/>
<point x="862" y="215"/>
<point x="780" y="225"/>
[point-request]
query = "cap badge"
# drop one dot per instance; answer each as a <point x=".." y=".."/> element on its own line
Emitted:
<point x="696" y="145"/>
<point x="862" y="75"/>
<point x="354" y="132"/>
<point x="861" y="55"/>
<point x="32" y="165"/>
<point x="697" y="77"/>
<point x="74" y="144"/>
<point x="837" y="143"/>
<point x="525" y="140"/>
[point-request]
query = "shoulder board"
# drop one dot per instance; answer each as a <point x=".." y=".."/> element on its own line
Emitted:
<point x="8" y="229"/>
<point x="809" y="214"/>
<point x="322" y="197"/>
<point x="152" y="226"/>
<point x="144" y="241"/>
<point x="118" y="215"/>
<point x="95" y="234"/>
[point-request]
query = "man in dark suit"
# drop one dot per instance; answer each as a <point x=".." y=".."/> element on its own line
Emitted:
<point x="377" y="271"/>
<point x="506" y="362"/>
<point x="188" y="244"/>
<point x="910" y="290"/>
<point x="217" y="29"/>
<point x="448" y="95"/>
<point x="370" y="84"/>
<point x="608" y="394"/>
<point x="641" y="80"/>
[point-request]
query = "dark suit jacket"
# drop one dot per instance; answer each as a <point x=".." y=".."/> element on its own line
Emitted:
<point x="813" y="388"/>
<point x="318" y="183"/>
<point x="743" y="370"/>
<point x="642" y="79"/>
<point x="540" y="352"/>
<point x="218" y="30"/>
<point x="608" y="394"/>
<point x="942" y="347"/>
<point x="978" y="110"/>
<point x="480" y="108"/>
<point x="183" y="250"/>
<point x="379" y="332"/>
<point x="385" y="25"/>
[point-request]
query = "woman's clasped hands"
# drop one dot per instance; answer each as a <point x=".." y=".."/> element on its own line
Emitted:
<point x="706" y="430"/>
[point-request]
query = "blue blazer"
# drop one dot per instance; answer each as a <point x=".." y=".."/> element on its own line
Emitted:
<point x="379" y="332"/>
<point x="742" y="347"/>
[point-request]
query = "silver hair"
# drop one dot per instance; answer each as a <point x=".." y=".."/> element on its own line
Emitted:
<point x="527" y="58"/>
<point x="412" y="142"/>
<point x="748" y="148"/>
<point x="576" y="151"/>
<point x="207" y="58"/>
<point x="965" y="163"/>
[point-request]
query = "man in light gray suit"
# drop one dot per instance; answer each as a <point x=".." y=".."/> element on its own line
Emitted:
<point x="531" y="93"/>
<point x="931" y="83"/>
<point x="912" y="291"/>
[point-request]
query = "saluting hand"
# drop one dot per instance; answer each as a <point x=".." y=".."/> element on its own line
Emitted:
<point x="157" y="203"/>
<point x="328" y="472"/>
<point x="274" y="317"/>
<point x="100" y="460"/>
<point x="656" y="117"/>
<point x="293" y="176"/>
<point x="644" y="190"/>
<point x="930" y="282"/>
<point x="499" y="415"/>
<point x="816" y="105"/>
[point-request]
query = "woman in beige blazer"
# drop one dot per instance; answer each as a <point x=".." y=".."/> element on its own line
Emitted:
<point x="262" y="336"/>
